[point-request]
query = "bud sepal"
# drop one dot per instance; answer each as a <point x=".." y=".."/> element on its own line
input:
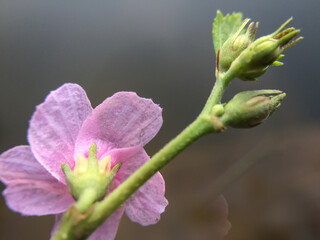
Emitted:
<point x="235" y="44"/>
<point x="265" y="51"/>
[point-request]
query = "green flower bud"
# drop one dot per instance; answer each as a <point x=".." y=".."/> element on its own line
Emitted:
<point x="90" y="180"/>
<point x="265" y="51"/>
<point x="235" y="44"/>
<point x="250" y="108"/>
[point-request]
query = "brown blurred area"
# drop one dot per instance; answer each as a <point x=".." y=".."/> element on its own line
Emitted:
<point x="163" y="50"/>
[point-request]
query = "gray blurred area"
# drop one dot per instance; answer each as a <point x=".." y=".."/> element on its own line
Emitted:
<point x="163" y="50"/>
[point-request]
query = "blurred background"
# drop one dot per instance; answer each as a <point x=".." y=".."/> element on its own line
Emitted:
<point x="163" y="50"/>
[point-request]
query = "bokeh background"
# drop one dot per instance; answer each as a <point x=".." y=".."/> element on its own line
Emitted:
<point x="163" y="50"/>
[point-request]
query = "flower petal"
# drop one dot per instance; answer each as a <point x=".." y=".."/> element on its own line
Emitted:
<point x="124" y="120"/>
<point x="122" y="155"/>
<point x="108" y="230"/>
<point x="31" y="190"/>
<point x="18" y="163"/>
<point x="55" y="125"/>
<point x="57" y="222"/>
<point x="148" y="202"/>
<point x="104" y="149"/>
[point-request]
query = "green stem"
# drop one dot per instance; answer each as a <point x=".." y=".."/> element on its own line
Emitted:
<point x="69" y="225"/>
<point x="222" y="82"/>
<point x="215" y="96"/>
<point x="201" y="126"/>
<point x="87" y="198"/>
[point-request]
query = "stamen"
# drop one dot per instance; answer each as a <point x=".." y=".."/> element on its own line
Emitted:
<point x="81" y="165"/>
<point x="105" y="165"/>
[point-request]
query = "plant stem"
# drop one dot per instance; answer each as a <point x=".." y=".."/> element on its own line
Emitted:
<point x="86" y="200"/>
<point x="223" y="80"/>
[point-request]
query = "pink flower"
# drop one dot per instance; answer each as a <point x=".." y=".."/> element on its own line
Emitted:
<point x="63" y="127"/>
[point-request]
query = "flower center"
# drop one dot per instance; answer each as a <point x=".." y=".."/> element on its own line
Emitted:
<point x="90" y="180"/>
<point x="81" y="166"/>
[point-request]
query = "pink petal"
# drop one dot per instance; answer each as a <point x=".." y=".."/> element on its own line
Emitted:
<point x="106" y="231"/>
<point x="57" y="222"/>
<point x="31" y="190"/>
<point x="18" y="164"/>
<point x="104" y="149"/>
<point x="123" y="155"/>
<point x="123" y="120"/>
<point x="55" y="125"/>
<point x="146" y="204"/>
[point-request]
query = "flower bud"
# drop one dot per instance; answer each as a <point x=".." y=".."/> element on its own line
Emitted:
<point x="265" y="51"/>
<point x="250" y="108"/>
<point x="235" y="44"/>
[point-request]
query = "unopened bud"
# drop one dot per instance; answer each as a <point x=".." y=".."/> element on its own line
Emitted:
<point x="235" y="44"/>
<point x="265" y="51"/>
<point x="250" y="108"/>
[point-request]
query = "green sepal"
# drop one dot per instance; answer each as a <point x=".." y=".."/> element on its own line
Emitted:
<point x="223" y="27"/>
<point x="277" y="63"/>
